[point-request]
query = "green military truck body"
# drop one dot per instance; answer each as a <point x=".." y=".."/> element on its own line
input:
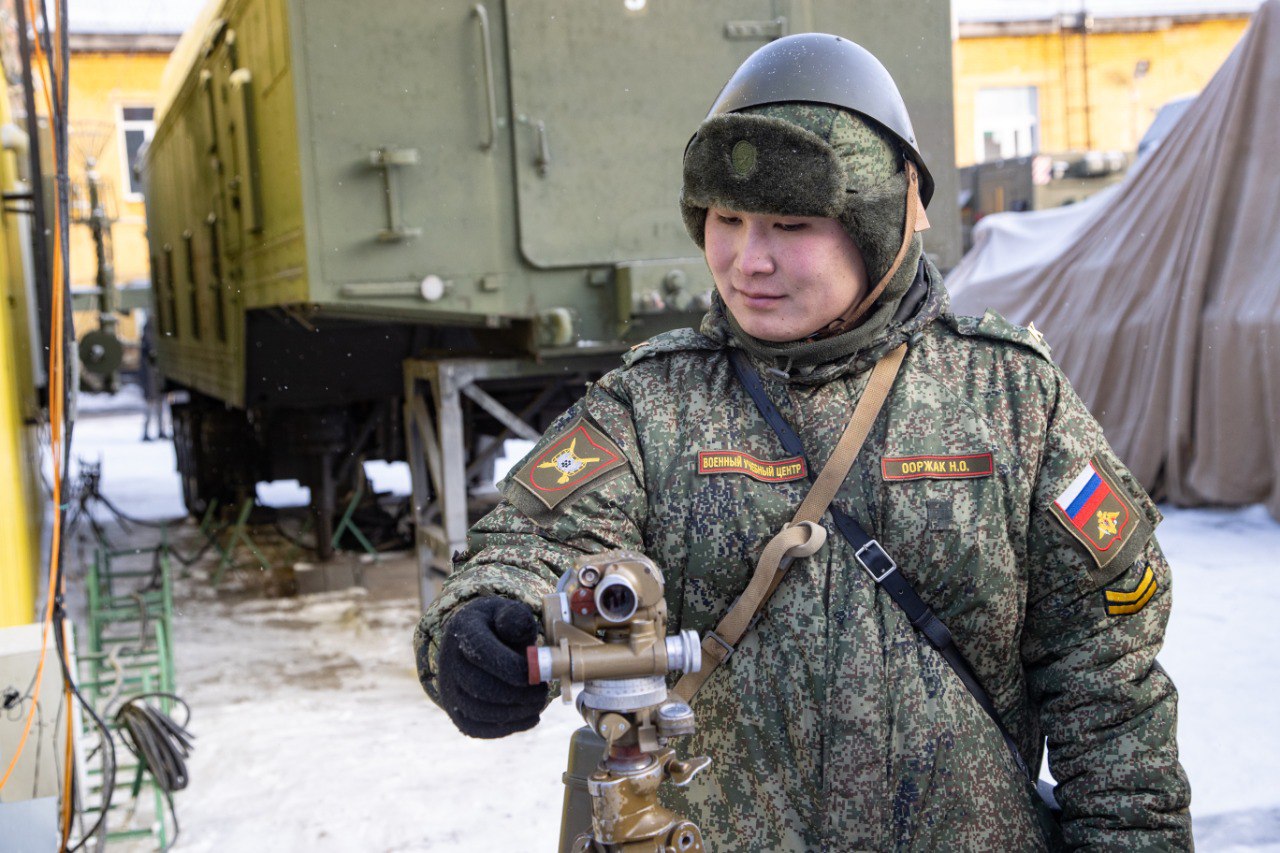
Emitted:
<point x="331" y="191"/>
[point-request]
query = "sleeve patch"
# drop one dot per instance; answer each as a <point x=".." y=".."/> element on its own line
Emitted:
<point x="1125" y="603"/>
<point x="581" y="455"/>
<point x="1097" y="512"/>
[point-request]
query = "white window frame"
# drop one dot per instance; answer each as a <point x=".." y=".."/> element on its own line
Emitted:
<point x="1008" y="127"/>
<point x="124" y="125"/>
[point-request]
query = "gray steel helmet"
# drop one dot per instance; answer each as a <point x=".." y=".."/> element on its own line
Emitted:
<point x="820" y="68"/>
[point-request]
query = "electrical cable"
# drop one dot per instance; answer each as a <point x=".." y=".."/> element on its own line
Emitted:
<point x="160" y="523"/>
<point x="61" y="343"/>
<point x="159" y="743"/>
<point x="210" y="541"/>
<point x="109" y="747"/>
<point x="89" y="490"/>
<point x="35" y="777"/>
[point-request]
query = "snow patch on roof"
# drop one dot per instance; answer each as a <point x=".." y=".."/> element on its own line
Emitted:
<point x="133" y="17"/>
<point x="1038" y="10"/>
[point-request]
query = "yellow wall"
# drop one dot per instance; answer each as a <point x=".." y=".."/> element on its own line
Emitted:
<point x="1182" y="58"/>
<point x="100" y="85"/>
<point x="20" y="500"/>
<point x="21" y="503"/>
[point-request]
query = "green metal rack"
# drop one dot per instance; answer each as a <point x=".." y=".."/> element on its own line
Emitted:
<point x="128" y="651"/>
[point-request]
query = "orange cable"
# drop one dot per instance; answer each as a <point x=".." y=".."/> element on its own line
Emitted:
<point x="56" y="394"/>
<point x="59" y="309"/>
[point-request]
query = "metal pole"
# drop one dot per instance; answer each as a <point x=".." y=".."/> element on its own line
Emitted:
<point x="325" y="505"/>
<point x="453" y="457"/>
<point x="40" y="231"/>
<point x="421" y="450"/>
<point x="1086" y="23"/>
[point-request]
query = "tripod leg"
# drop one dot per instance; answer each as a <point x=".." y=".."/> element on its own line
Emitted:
<point x="586" y="749"/>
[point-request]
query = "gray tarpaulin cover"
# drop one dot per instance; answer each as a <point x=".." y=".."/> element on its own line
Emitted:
<point x="1162" y="301"/>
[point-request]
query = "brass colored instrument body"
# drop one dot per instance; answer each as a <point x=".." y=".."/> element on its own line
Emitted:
<point x="605" y="629"/>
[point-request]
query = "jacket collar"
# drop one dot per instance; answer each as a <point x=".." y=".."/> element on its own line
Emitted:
<point x="813" y="362"/>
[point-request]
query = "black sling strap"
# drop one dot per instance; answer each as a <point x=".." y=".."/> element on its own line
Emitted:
<point x="872" y="557"/>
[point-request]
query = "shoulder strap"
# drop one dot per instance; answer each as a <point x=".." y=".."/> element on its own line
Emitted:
<point x="803" y="535"/>
<point x="870" y="554"/>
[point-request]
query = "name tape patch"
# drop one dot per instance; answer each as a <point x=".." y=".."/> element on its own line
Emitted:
<point x="1125" y="603"/>
<point x="1095" y="512"/>
<point x="737" y="462"/>
<point x="937" y="467"/>
<point x="581" y="455"/>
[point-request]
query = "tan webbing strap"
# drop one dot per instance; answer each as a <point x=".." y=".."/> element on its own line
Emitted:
<point x="792" y="541"/>
<point x="832" y="476"/>
<point x="855" y="434"/>
<point x="915" y="207"/>
<point x="800" y="537"/>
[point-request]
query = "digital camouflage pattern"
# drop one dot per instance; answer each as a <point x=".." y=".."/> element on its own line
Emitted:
<point x="835" y="726"/>
<point x="870" y="155"/>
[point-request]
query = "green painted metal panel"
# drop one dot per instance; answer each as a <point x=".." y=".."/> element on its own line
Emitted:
<point x="224" y="204"/>
<point x="400" y="101"/>
<point x="459" y="164"/>
<point x="604" y="97"/>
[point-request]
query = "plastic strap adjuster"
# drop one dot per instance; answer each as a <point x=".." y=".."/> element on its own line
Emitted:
<point x="728" y="649"/>
<point x="877" y="563"/>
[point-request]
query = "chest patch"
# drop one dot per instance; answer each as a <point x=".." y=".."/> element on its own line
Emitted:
<point x="581" y="455"/>
<point x="1096" y="512"/>
<point x="936" y="467"/>
<point x="737" y="462"/>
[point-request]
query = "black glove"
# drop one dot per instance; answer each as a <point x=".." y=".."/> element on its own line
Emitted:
<point x="483" y="673"/>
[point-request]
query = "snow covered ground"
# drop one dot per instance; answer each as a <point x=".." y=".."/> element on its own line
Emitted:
<point x="314" y="735"/>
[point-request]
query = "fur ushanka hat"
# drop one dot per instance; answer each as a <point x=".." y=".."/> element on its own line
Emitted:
<point x="798" y="159"/>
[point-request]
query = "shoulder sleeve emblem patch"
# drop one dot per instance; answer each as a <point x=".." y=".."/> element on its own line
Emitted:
<point x="1126" y="603"/>
<point x="582" y="454"/>
<point x="1097" y="512"/>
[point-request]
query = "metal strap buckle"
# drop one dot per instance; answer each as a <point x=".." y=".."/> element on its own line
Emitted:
<point x="876" y="562"/>
<point x="728" y="649"/>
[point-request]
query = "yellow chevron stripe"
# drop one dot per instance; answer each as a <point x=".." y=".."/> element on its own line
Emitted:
<point x="1149" y="579"/>
<point x="1139" y="603"/>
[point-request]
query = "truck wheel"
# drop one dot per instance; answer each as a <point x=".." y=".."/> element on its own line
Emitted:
<point x="186" y="425"/>
<point x="216" y="453"/>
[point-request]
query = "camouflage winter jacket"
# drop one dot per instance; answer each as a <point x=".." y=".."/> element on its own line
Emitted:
<point x="835" y="726"/>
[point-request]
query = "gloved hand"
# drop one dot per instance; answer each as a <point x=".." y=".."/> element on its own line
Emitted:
<point x="483" y="672"/>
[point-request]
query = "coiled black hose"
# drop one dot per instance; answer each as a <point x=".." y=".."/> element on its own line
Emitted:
<point x="161" y="744"/>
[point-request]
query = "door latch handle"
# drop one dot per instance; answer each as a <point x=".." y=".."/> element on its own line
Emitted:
<point x="387" y="159"/>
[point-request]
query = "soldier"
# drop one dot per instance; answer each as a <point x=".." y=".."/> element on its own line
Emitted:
<point x="152" y="383"/>
<point x="835" y="724"/>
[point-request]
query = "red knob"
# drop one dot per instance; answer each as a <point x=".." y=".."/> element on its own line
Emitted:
<point x="531" y="658"/>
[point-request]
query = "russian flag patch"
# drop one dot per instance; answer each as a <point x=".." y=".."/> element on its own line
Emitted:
<point x="1096" y="512"/>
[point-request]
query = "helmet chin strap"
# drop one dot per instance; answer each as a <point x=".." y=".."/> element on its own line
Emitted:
<point x="915" y="221"/>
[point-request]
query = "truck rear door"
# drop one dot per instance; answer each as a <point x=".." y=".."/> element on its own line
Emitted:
<point x="604" y="96"/>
